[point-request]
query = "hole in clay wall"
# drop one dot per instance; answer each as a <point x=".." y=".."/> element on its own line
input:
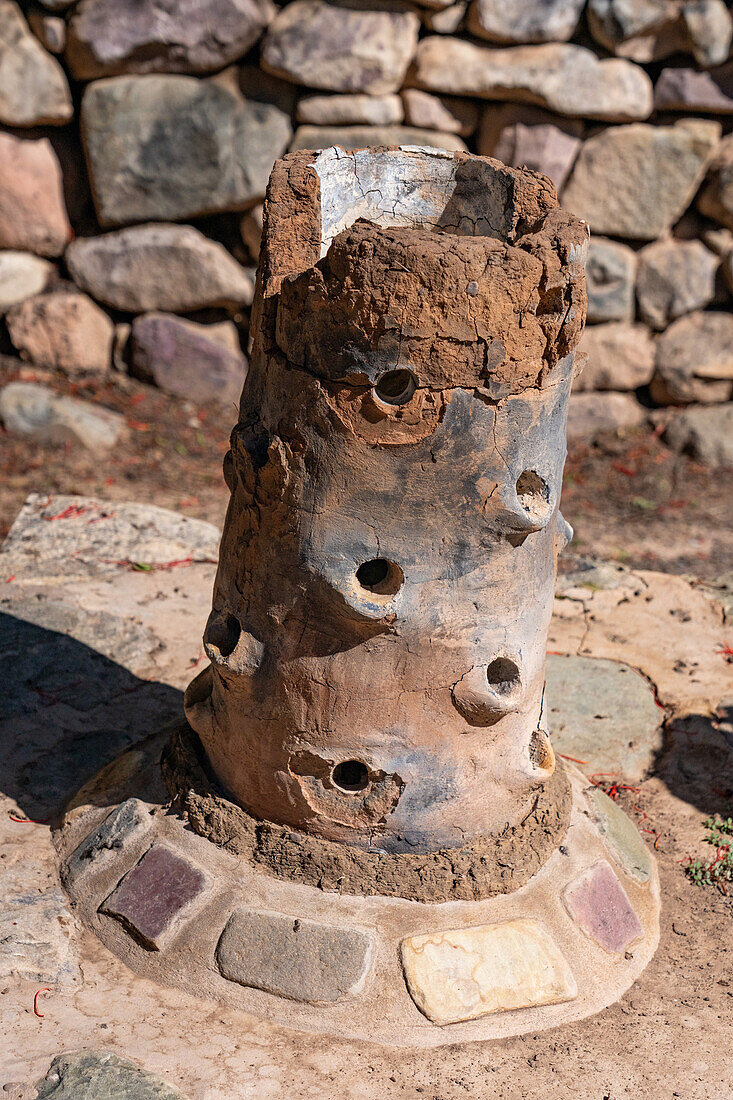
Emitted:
<point x="533" y="493"/>
<point x="381" y="576"/>
<point x="223" y="633"/>
<point x="396" y="387"/>
<point x="503" y="675"/>
<point x="351" y="776"/>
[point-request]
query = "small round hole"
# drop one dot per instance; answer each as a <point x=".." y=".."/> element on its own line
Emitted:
<point x="381" y="576"/>
<point x="533" y="492"/>
<point x="223" y="633"/>
<point x="396" y="387"/>
<point x="350" y="776"/>
<point x="503" y="676"/>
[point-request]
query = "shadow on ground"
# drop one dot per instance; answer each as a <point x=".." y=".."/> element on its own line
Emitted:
<point x="66" y="711"/>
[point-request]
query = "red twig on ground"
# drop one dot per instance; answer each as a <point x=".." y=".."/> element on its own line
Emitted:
<point x="46" y="989"/>
<point x="573" y="758"/>
<point x="613" y="789"/>
<point x="624" y="469"/>
<point x="25" y="820"/>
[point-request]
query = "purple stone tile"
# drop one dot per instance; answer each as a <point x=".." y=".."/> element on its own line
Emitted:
<point x="151" y="896"/>
<point x="598" y="903"/>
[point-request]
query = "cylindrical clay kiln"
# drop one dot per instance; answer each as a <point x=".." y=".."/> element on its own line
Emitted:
<point x="373" y="831"/>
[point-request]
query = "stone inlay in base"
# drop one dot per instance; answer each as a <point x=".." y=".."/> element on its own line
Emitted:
<point x="129" y="820"/>
<point x="293" y="958"/>
<point x="152" y="896"/>
<point x="598" y="903"/>
<point x="621" y="836"/>
<point x="468" y="972"/>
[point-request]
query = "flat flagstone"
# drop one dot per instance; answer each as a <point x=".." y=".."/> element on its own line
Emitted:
<point x="468" y="972"/>
<point x="100" y="1075"/>
<point x="293" y="958"/>
<point x="620" y="835"/>
<point x="599" y="905"/>
<point x="602" y="712"/>
<point x="153" y="895"/>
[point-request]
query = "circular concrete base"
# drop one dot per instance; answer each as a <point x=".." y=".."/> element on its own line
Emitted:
<point x="183" y="912"/>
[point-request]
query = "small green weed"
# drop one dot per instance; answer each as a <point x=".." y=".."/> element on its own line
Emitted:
<point x="719" y="871"/>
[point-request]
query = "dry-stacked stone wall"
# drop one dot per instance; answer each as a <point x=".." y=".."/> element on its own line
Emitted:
<point x="137" y="136"/>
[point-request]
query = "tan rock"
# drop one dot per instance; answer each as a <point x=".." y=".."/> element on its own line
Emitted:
<point x="354" y="48"/>
<point x="50" y="30"/>
<point x="32" y="210"/>
<point x="590" y="414"/>
<point x="350" y="110"/>
<point x="362" y="137"/>
<point x="716" y="196"/>
<point x="704" y="432"/>
<point x="643" y="31"/>
<point x="33" y="87"/>
<point x="529" y="21"/>
<point x="468" y="972"/>
<point x="694" y="360"/>
<point x="65" y="331"/>
<point x="710" y="28"/>
<point x="447" y="113"/>
<point x="636" y="181"/>
<point x="564" y="78"/>
<point x="446" y="21"/>
<point x="673" y="278"/>
<point x="21" y="276"/>
<point x="620" y="356"/>
<point x="532" y="138"/>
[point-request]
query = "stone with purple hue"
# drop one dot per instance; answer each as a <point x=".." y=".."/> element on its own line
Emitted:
<point x="598" y="903"/>
<point x="199" y="362"/>
<point x="152" y="896"/>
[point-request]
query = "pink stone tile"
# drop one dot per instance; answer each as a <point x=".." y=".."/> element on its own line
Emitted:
<point x="598" y="903"/>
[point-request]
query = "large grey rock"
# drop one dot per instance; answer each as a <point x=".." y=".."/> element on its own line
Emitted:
<point x="21" y="275"/>
<point x="100" y="1075"/>
<point x="65" y="331"/>
<point x="591" y="414"/>
<point x="111" y="37"/>
<point x="350" y="110"/>
<point x="293" y="958"/>
<point x="447" y="113"/>
<point x="353" y="47"/>
<point x="602" y="712"/>
<point x="636" y="181"/>
<point x="532" y="138"/>
<point x="564" y="78"/>
<point x="158" y="267"/>
<point x="127" y="822"/>
<point x="643" y="30"/>
<point x="530" y="21"/>
<point x="673" y="278"/>
<point x="200" y="362"/>
<point x="32" y="210"/>
<point x="694" y="361"/>
<point x="690" y="90"/>
<point x="620" y="356"/>
<point x="173" y="147"/>
<point x="76" y="549"/>
<point x="27" y="408"/>
<point x="716" y="195"/>
<point x="361" y="137"/>
<point x="33" y="87"/>
<point x="704" y="432"/>
<point x="610" y="277"/>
